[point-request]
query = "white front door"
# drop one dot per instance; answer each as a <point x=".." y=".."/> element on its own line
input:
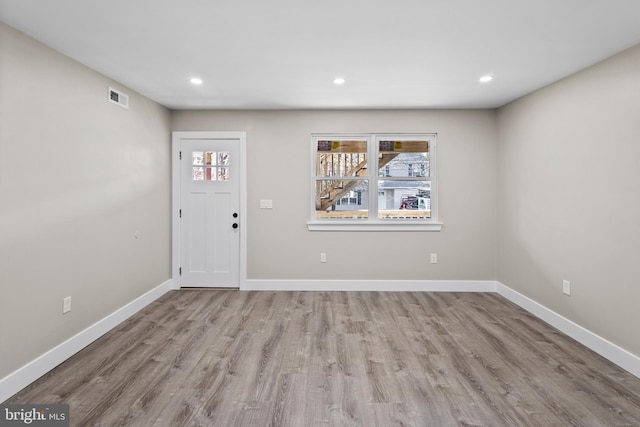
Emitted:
<point x="209" y="212"/>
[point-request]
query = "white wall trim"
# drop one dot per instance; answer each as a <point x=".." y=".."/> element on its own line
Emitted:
<point x="16" y="381"/>
<point x="370" y="285"/>
<point x="604" y="348"/>
<point x="33" y="370"/>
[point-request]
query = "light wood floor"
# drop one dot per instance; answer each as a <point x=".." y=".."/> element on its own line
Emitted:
<point x="230" y="358"/>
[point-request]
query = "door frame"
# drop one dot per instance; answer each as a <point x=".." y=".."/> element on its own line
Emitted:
<point x="176" y="141"/>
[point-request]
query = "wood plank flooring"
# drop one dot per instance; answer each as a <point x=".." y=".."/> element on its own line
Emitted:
<point x="231" y="358"/>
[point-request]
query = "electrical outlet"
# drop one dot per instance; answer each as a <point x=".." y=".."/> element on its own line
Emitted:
<point x="66" y="305"/>
<point x="434" y="258"/>
<point x="323" y="257"/>
<point x="566" y="287"/>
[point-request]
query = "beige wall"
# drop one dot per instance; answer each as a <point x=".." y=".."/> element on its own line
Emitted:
<point x="278" y="161"/>
<point x="569" y="197"/>
<point x="78" y="177"/>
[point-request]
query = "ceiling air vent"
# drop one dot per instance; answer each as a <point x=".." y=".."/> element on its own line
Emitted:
<point x="118" y="98"/>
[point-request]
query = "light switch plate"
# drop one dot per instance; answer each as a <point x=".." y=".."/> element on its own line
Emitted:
<point x="266" y="204"/>
<point x="66" y="305"/>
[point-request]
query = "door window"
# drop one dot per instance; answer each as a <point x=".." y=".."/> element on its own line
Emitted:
<point x="210" y="165"/>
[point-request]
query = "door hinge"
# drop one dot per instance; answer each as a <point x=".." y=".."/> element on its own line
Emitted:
<point x="181" y="155"/>
<point x="180" y="213"/>
<point x="180" y="271"/>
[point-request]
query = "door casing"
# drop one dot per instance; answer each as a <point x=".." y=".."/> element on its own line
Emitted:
<point x="176" y="140"/>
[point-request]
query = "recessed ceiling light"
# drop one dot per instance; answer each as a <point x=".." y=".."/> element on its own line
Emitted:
<point x="485" y="79"/>
<point x="196" y="81"/>
<point x="339" y="81"/>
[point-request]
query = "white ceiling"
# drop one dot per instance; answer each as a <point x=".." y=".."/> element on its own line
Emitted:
<point x="275" y="54"/>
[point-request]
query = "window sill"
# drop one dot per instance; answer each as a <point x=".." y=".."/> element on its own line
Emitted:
<point x="347" y="225"/>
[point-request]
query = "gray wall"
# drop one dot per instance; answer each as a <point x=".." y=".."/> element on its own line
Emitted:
<point x="281" y="247"/>
<point x="569" y="197"/>
<point x="78" y="177"/>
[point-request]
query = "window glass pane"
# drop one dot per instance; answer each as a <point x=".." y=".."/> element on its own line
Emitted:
<point x="198" y="174"/>
<point x="211" y="174"/>
<point x="223" y="174"/>
<point x="341" y="158"/>
<point x="211" y="158"/>
<point x="223" y="158"/>
<point x="347" y="199"/>
<point x="404" y="199"/>
<point x="403" y="159"/>
<point x="197" y="157"/>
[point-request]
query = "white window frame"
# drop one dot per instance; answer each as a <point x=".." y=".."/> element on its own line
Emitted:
<point x="373" y="223"/>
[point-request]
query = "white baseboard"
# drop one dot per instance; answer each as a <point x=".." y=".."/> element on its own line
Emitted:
<point x="16" y="381"/>
<point x="370" y="285"/>
<point x="604" y="348"/>
<point x="24" y="376"/>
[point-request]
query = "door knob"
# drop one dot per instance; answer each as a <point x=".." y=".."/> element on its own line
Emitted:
<point x="235" y="215"/>
<point x="235" y="225"/>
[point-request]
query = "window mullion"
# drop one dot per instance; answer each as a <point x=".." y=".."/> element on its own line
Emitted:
<point x="372" y="174"/>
